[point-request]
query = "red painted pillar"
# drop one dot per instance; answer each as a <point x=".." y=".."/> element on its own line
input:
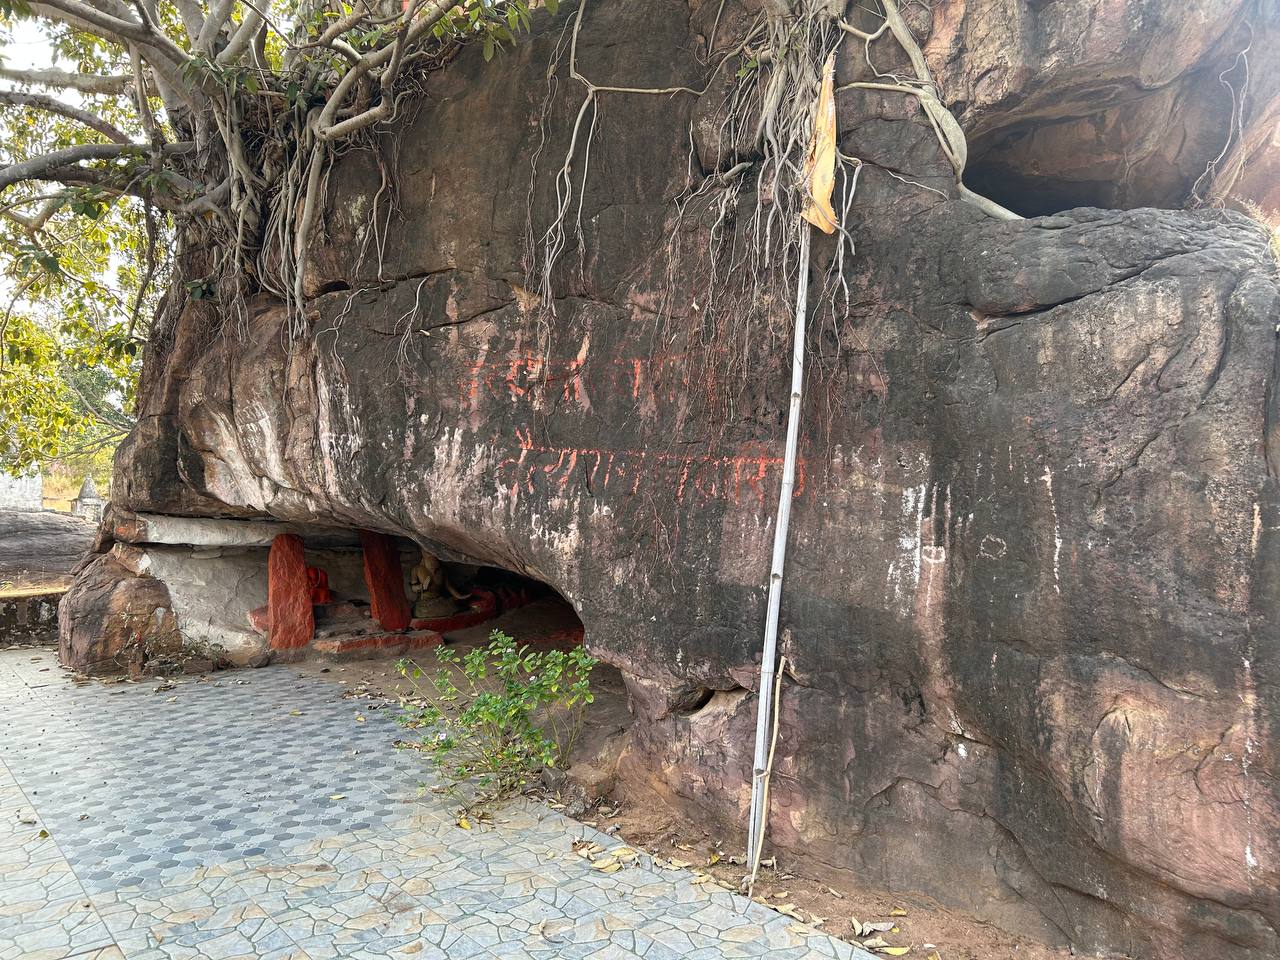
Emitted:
<point x="291" y="621"/>
<point x="385" y="579"/>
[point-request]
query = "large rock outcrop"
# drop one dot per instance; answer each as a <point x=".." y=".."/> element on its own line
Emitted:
<point x="1030" y="612"/>
<point x="42" y="545"/>
<point x="114" y="619"/>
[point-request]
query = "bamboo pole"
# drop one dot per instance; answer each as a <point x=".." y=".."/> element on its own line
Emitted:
<point x="757" y="816"/>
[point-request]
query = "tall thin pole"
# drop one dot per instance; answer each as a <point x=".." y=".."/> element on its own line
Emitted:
<point x="768" y="660"/>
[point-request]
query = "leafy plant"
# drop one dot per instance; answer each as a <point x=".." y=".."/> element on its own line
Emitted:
<point x="496" y="716"/>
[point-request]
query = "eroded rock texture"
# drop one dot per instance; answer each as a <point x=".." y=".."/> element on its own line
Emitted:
<point x="1118" y="104"/>
<point x="115" y="620"/>
<point x="1030" y="612"/>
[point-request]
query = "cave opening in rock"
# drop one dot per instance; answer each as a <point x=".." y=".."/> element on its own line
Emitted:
<point x="251" y="592"/>
<point x="1030" y="195"/>
<point x="1041" y="167"/>
<point x="377" y="594"/>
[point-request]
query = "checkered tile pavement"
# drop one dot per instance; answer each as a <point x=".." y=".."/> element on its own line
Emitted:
<point x="259" y="814"/>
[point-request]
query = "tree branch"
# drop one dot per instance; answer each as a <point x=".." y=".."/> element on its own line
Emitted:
<point x="61" y="165"/>
<point x="411" y="29"/>
<point x="213" y="25"/>
<point x="241" y="39"/>
<point x="39" y="101"/>
<point x="91" y="20"/>
<point x="84" y="82"/>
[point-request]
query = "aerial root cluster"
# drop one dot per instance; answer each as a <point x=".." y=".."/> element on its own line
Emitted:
<point x="755" y="189"/>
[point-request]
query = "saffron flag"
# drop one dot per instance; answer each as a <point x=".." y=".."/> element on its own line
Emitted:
<point x="820" y="166"/>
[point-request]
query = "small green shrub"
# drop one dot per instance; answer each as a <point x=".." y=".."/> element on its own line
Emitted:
<point x="495" y="717"/>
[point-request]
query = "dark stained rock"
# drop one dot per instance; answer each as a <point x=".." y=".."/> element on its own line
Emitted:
<point x="290" y="616"/>
<point x="1031" y="607"/>
<point x="113" y="621"/>
<point x="42" y="544"/>
<point x="385" y="580"/>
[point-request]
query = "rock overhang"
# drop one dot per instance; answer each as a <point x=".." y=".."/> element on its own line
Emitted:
<point x="1030" y="599"/>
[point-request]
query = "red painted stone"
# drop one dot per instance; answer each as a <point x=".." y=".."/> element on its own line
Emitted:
<point x="319" y="581"/>
<point x="376" y="645"/>
<point x="385" y="580"/>
<point x="512" y="599"/>
<point x="292" y="621"/>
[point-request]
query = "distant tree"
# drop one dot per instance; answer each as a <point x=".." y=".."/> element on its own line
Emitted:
<point x="176" y="124"/>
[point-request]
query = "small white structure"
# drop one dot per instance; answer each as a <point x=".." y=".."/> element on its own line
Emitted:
<point x="88" y="504"/>
<point x="21" y="493"/>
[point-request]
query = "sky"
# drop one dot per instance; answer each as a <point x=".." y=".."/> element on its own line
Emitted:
<point x="28" y="48"/>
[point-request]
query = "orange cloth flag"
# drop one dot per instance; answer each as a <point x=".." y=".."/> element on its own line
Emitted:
<point x="820" y="166"/>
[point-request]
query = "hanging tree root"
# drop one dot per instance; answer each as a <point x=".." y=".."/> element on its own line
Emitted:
<point x="951" y="138"/>
<point x="746" y="271"/>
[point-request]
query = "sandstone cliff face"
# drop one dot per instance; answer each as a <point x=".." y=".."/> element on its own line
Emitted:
<point x="1030" y="610"/>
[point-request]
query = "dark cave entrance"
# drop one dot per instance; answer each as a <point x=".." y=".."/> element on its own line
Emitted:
<point x="411" y="601"/>
<point x="1029" y="194"/>
<point x="469" y="603"/>
<point x="1046" y="166"/>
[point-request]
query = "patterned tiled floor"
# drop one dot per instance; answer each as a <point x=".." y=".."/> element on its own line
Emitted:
<point x="258" y="814"/>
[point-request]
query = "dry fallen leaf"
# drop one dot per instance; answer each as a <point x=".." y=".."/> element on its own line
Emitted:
<point x="43" y="834"/>
<point x="858" y="929"/>
<point x="875" y="943"/>
<point x="896" y="951"/>
<point x="898" y="912"/>
<point x="338" y="796"/>
<point x="880" y="926"/>
<point x="934" y="956"/>
<point x="464" y="823"/>
<point x="802" y="930"/>
<point x="701" y="878"/>
<point x="835" y="893"/>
